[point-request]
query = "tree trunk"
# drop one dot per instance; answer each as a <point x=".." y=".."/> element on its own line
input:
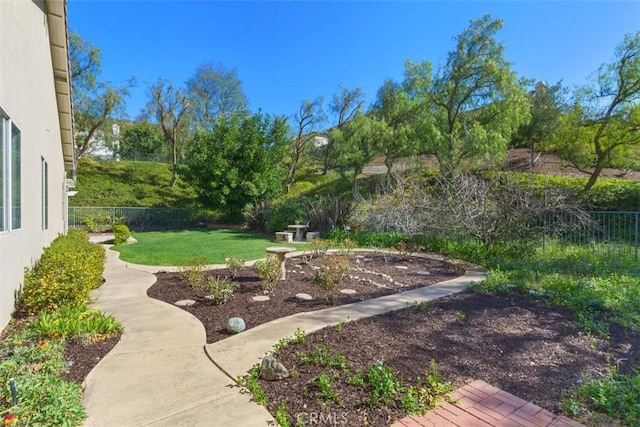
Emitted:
<point x="593" y="177"/>
<point x="174" y="163"/>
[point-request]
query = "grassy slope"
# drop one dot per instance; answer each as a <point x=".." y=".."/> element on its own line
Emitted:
<point x="120" y="183"/>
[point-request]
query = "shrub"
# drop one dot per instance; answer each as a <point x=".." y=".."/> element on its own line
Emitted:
<point x="234" y="264"/>
<point x="193" y="271"/>
<point x="76" y="321"/>
<point x="268" y="270"/>
<point x="65" y="274"/>
<point x="332" y="272"/>
<point x="122" y="234"/>
<point x="279" y="216"/>
<point x="220" y="289"/>
<point x="319" y="247"/>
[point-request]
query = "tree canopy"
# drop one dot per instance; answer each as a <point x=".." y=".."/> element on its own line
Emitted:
<point x="239" y="162"/>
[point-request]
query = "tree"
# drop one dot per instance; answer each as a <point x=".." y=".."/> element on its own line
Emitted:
<point x="345" y="104"/>
<point x="309" y="116"/>
<point x="357" y="143"/>
<point x="170" y="107"/>
<point x="474" y="103"/>
<point x="239" y="162"/>
<point x="546" y="106"/>
<point x="141" y="140"/>
<point x="395" y="110"/>
<point x="603" y="126"/>
<point x="215" y="92"/>
<point x="94" y="102"/>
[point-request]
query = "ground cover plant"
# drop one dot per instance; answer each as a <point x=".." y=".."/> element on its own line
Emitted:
<point x="178" y="247"/>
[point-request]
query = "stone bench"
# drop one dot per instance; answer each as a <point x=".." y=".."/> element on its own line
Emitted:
<point x="284" y="236"/>
<point x="311" y="235"/>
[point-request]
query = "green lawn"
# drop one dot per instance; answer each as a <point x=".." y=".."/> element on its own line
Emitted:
<point x="176" y="247"/>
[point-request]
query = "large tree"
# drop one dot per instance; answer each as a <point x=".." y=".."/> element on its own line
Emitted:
<point x="546" y="105"/>
<point x="170" y="107"/>
<point x="396" y="110"/>
<point x="141" y="140"/>
<point x="239" y="162"/>
<point x="603" y="127"/>
<point x="474" y="103"/>
<point x="307" y="120"/>
<point x="215" y="91"/>
<point x="95" y="102"/>
<point x="357" y="143"/>
<point x="345" y="104"/>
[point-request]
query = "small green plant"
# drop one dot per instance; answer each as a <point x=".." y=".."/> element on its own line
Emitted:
<point x="268" y="270"/>
<point x="298" y="337"/>
<point x="332" y="272"/>
<point x="234" y="264"/>
<point x="282" y="415"/>
<point x="340" y="326"/>
<point x="325" y="383"/>
<point x="357" y="380"/>
<point x="220" y="289"/>
<point x="615" y="395"/>
<point x="348" y="245"/>
<point x="384" y="385"/>
<point x="322" y="356"/>
<point x="193" y="271"/>
<point x="121" y="233"/>
<point x="250" y="382"/>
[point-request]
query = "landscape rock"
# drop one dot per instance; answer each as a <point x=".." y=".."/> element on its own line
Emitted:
<point x="235" y="325"/>
<point x="272" y="370"/>
<point x="260" y="298"/>
<point x="131" y="240"/>
<point x="304" y="297"/>
<point x="185" y="303"/>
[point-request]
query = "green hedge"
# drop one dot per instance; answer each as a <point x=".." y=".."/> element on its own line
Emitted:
<point x="65" y="274"/>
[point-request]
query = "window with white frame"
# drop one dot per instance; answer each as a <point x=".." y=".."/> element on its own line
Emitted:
<point x="45" y="193"/>
<point x="10" y="175"/>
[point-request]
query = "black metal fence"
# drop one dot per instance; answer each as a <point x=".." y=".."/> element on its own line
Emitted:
<point x="101" y="218"/>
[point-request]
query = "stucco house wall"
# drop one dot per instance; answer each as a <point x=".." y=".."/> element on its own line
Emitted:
<point x="32" y="98"/>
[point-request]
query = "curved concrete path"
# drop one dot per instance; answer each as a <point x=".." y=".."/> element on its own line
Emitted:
<point x="159" y="374"/>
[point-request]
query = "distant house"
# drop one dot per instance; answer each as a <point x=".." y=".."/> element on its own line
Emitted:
<point x="36" y="136"/>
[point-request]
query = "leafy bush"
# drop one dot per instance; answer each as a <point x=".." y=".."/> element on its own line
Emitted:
<point x="287" y="212"/>
<point x="319" y="247"/>
<point x="234" y="264"/>
<point x="332" y="272"/>
<point x="220" y="289"/>
<point x="65" y="274"/>
<point x="269" y="272"/>
<point x="76" y="321"/>
<point x="193" y="271"/>
<point x="122" y="234"/>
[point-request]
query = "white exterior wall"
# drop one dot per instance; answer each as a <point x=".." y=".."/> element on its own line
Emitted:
<point x="27" y="96"/>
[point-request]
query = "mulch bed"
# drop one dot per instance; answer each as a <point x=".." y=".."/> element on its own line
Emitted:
<point x="369" y="276"/>
<point x="83" y="357"/>
<point x="523" y="346"/>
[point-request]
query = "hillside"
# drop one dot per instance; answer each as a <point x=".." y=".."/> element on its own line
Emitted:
<point x="120" y="183"/>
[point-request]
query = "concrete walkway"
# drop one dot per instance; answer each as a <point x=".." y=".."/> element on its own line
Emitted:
<point x="159" y="373"/>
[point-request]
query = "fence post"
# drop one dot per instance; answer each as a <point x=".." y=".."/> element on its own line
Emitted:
<point x="636" y="236"/>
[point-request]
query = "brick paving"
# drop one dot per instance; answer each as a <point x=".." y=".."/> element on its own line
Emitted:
<point x="482" y="405"/>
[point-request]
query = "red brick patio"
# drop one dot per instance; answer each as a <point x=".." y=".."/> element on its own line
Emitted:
<point x="482" y="405"/>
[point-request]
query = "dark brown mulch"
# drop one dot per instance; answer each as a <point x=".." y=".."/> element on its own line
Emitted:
<point x="369" y="277"/>
<point x="82" y="358"/>
<point x="523" y="346"/>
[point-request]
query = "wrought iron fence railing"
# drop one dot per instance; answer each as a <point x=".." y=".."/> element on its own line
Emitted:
<point x="101" y="218"/>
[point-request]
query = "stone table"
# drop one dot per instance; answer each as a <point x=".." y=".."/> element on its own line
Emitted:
<point x="299" y="229"/>
<point x="280" y="252"/>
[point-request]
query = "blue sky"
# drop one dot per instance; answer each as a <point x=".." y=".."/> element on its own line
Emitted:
<point x="288" y="51"/>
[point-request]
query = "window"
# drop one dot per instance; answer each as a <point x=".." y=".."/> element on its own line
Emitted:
<point x="10" y="178"/>
<point x="45" y="194"/>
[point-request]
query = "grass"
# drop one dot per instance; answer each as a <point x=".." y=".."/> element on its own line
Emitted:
<point x="177" y="247"/>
